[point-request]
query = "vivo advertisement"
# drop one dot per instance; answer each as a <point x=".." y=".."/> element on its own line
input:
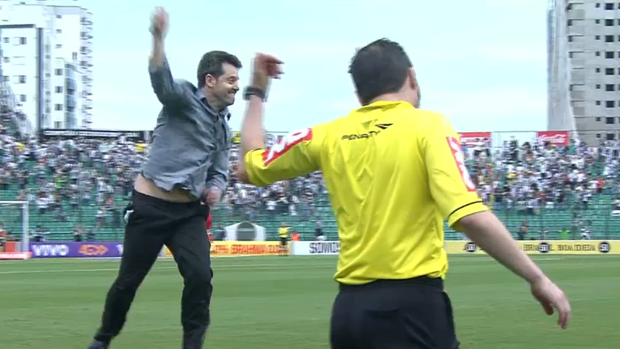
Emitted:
<point x="76" y="249"/>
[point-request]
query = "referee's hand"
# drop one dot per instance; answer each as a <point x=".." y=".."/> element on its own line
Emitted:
<point x="266" y="67"/>
<point x="551" y="297"/>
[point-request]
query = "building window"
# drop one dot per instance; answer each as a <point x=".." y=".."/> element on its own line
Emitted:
<point x="5" y="78"/>
<point x="58" y="107"/>
<point x="58" y="16"/>
<point x="610" y="55"/>
<point x="58" y="72"/>
<point x="610" y="87"/>
<point x="609" y="6"/>
<point x="609" y="38"/>
<point x="598" y="70"/>
<point x="598" y="86"/>
<point x="58" y="89"/>
<point x="22" y="79"/>
<point x="598" y="37"/>
<point x="610" y="104"/>
<point x="610" y="136"/>
<point x="609" y="71"/>
<point x="6" y="59"/>
<point x="598" y="119"/>
<point x="610" y="121"/>
<point x="6" y="40"/>
<point x="618" y="21"/>
<point x="74" y="56"/>
<point x="598" y="135"/>
<point x="570" y="55"/>
<point x="22" y="98"/>
<point x="598" y="5"/>
<point x="57" y="124"/>
<point x="597" y="54"/>
<point x="58" y="45"/>
<point x="598" y="21"/>
<point x="570" y="22"/>
<point x="609" y="22"/>
<point x="598" y="102"/>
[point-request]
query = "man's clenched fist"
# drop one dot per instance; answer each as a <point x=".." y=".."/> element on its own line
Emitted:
<point x="159" y="22"/>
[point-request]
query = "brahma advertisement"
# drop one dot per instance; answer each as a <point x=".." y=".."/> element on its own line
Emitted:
<point x="471" y="139"/>
<point x="559" y="138"/>
<point x="240" y="248"/>
<point x="544" y="247"/>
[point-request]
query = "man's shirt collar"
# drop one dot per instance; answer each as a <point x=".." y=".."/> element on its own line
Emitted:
<point x="224" y="113"/>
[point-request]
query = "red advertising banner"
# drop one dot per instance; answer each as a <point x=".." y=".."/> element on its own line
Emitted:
<point x="15" y="256"/>
<point x="469" y="139"/>
<point x="555" y="137"/>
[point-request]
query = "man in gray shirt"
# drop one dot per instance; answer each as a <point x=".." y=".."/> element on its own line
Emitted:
<point x="188" y="163"/>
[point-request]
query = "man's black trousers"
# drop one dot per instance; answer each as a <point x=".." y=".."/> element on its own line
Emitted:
<point x="393" y="314"/>
<point x="151" y="224"/>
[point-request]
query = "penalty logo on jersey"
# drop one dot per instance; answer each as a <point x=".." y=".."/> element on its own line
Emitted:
<point x="459" y="158"/>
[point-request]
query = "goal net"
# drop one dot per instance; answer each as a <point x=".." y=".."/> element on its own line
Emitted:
<point x="14" y="231"/>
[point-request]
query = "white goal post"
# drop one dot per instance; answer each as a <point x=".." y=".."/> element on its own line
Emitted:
<point x="16" y="221"/>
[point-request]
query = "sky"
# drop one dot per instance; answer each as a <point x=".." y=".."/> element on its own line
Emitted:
<point x="482" y="63"/>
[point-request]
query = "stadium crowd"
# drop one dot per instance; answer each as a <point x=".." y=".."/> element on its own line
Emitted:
<point x="62" y="177"/>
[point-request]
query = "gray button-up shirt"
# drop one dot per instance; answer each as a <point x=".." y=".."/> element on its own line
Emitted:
<point x="189" y="146"/>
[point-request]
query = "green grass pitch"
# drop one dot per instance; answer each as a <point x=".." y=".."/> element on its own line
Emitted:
<point x="284" y="302"/>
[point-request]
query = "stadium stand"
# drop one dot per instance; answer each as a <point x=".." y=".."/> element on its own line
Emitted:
<point x="77" y="189"/>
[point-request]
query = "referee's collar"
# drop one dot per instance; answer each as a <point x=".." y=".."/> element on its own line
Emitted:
<point x="224" y="113"/>
<point x="383" y="104"/>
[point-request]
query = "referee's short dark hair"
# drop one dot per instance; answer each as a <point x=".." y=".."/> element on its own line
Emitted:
<point x="211" y="64"/>
<point x="378" y="68"/>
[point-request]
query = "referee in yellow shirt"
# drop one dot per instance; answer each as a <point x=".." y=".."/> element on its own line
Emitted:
<point x="394" y="173"/>
<point x="283" y="235"/>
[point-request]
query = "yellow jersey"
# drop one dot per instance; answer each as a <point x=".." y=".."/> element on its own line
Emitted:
<point x="394" y="173"/>
<point x="283" y="232"/>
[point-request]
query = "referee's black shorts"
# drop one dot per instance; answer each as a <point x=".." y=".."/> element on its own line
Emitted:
<point x="283" y="241"/>
<point x="393" y="314"/>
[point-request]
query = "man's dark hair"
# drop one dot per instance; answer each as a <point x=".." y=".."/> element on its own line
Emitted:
<point x="211" y="64"/>
<point x="379" y="68"/>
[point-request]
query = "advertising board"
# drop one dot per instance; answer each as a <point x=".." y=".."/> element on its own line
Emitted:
<point x="468" y="139"/>
<point x="544" y="247"/>
<point x="240" y="248"/>
<point x="559" y="138"/>
<point x="315" y="248"/>
<point x="76" y="249"/>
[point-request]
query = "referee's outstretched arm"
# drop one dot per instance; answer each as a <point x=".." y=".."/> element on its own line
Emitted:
<point x="439" y="154"/>
<point x="490" y="234"/>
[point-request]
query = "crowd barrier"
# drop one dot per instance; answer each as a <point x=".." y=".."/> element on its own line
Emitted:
<point x="577" y="247"/>
<point x="240" y="248"/>
<point x="76" y="249"/>
<point x="299" y="248"/>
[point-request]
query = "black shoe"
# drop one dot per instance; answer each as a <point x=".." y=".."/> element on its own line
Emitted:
<point x="98" y="345"/>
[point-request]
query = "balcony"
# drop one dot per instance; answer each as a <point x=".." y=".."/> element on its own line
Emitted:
<point x="576" y="14"/>
<point x="70" y="85"/>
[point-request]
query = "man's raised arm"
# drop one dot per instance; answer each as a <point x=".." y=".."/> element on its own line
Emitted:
<point x="168" y="92"/>
<point x="252" y="134"/>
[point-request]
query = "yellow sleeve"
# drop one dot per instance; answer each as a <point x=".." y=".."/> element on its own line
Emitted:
<point x="296" y="154"/>
<point x="451" y="186"/>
